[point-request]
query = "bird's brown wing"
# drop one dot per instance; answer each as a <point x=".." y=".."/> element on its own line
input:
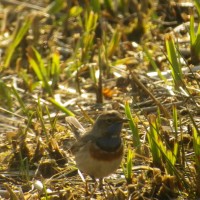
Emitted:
<point x="79" y="144"/>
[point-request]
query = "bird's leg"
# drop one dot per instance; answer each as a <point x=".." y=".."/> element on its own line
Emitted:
<point x="95" y="182"/>
<point x="93" y="179"/>
<point x="101" y="183"/>
<point x="86" y="183"/>
<point x="86" y="189"/>
<point x="89" y="190"/>
<point x="94" y="188"/>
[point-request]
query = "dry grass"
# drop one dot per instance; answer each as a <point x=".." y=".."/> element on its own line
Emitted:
<point x="78" y="58"/>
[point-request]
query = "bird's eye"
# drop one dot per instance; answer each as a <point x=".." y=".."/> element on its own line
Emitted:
<point x="109" y="121"/>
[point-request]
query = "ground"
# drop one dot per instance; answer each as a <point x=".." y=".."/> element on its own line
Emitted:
<point x="78" y="58"/>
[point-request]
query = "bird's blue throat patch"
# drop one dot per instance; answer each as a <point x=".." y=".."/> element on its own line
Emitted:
<point x="109" y="144"/>
<point x="114" y="129"/>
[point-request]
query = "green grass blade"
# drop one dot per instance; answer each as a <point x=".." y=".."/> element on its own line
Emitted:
<point x="175" y="119"/>
<point x="55" y="6"/>
<point x="114" y="43"/>
<point x="191" y="30"/>
<point x="91" y="22"/>
<point x="133" y="126"/>
<point x="174" y="59"/>
<point x="21" y="102"/>
<point x="5" y="96"/>
<point x="153" y="139"/>
<point x="154" y="65"/>
<point x="108" y="4"/>
<point x="75" y="11"/>
<point x="96" y="6"/>
<point x="129" y="164"/>
<point x="197" y="5"/>
<point x="55" y="69"/>
<point x="40" y="70"/>
<point x="17" y="38"/>
<point x="61" y="107"/>
<point x="196" y="146"/>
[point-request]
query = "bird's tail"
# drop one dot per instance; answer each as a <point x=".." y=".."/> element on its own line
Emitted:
<point x="75" y="125"/>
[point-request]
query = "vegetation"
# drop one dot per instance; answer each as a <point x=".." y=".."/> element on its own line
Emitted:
<point x="78" y="58"/>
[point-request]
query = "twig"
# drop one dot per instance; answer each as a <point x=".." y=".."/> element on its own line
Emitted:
<point x="139" y="83"/>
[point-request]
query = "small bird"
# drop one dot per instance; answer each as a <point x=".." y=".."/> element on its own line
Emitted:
<point x="99" y="151"/>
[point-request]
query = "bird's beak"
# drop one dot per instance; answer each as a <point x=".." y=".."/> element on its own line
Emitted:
<point x="125" y="120"/>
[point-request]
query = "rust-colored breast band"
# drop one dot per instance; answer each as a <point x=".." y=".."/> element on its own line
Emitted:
<point x="99" y="154"/>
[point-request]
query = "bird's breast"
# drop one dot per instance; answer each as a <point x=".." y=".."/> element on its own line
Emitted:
<point x="98" y="153"/>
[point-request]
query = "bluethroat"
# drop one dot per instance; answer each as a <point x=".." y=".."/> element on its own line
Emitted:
<point x="99" y="151"/>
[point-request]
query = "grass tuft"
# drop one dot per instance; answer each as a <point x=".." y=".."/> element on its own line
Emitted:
<point x="16" y="39"/>
<point x="129" y="164"/>
<point x="174" y="60"/>
<point x="133" y="126"/>
<point x="194" y="40"/>
<point x="196" y="146"/>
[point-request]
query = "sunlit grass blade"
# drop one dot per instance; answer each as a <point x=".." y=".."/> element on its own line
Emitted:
<point x="27" y="80"/>
<point x="23" y="153"/>
<point x="194" y="40"/>
<point x="170" y="157"/>
<point x="192" y="31"/>
<point x="154" y="65"/>
<point x="17" y="38"/>
<point x="174" y="59"/>
<point x="197" y="5"/>
<point x="24" y="167"/>
<point x="75" y="11"/>
<point x="11" y="192"/>
<point x="162" y="155"/>
<point x="153" y="139"/>
<point x="52" y="121"/>
<point x="55" y="69"/>
<point x="87" y="40"/>
<point x="36" y="62"/>
<point x="175" y="120"/>
<point x="21" y="102"/>
<point x="87" y="43"/>
<point x="114" y="43"/>
<point x="39" y="112"/>
<point x="40" y="70"/>
<point x="60" y="107"/>
<point x="133" y="126"/>
<point x="128" y="166"/>
<point x="196" y="147"/>
<point x="5" y="96"/>
<point x="91" y="22"/>
<point x="55" y="6"/>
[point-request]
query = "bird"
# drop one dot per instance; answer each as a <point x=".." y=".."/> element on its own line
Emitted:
<point x="99" y="151"/>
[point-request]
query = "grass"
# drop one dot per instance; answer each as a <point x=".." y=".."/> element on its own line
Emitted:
<point x="194" y="39"/>
<point x="40" y="70"/>
<point x="16" y="37"/>
<point x="133" y="126"/>
<point x="127" y="170"/>
<point x="60" y="58"/>
<point x="196" y="145"/>
<point x="175" y="63"/>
